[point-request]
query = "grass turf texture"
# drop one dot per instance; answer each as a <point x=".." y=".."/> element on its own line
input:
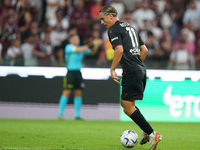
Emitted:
<point x="91" y="135"/>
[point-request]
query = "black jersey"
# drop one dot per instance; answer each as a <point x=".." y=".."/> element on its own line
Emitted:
<point x="121" y="33"/>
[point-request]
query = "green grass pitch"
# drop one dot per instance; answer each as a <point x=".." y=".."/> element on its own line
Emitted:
<point x="91" y="135"/>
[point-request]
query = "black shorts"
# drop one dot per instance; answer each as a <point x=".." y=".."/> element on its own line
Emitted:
<point x="133" y="85"/>
<point x="73" y="80"/>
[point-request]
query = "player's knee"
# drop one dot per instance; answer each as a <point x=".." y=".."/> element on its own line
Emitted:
<point x="66" y="93"/>
<point x="78" y="93"/>
<point x="126" y="111"/>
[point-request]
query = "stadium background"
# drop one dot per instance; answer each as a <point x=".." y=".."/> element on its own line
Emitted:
<point x="171" y="96"/>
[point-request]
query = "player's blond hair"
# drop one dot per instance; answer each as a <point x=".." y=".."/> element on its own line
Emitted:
<point x="108" y="10"/>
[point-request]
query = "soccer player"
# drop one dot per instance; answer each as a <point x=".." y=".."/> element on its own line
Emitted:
<point x="130" y="52"/>
<point x="73" y="80"/>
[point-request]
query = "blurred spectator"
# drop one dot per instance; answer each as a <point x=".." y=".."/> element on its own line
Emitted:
<point x="40" y="13"/>
<point x="5" y="5"/>
<point x="143" y="13"/>
<point x="88" y="4"/>
<point x="166" y="45"/>
<point x="167" y="19"/>
<point x="36" y="8"/>
<point x="30" y="5"/>
<point x="153" y="48"/>
<point x="9" y="12"/>
<point x="188" y="36"/>
<point x="138" y="4"/>
<point x="197" y="35"/>
<point x="27" y="50"/>
<point x="59" y="23"/>
<point x="64" y="4"/>
<point x="59" y="53"/>
<point x="48" y="28"/>
<point x="189" y="46"/>
<point x="192" y="14"/>
<point x="67" y="10"/>
<point x="120" y="7"/>
<point x="53" y="5"/>
<point x="94" y="11"/>
<point x="160" y="4"/>
<point x="197" y="55"/>
<point x="70" y="31"/>
<point x="43" y="51"/>
<point x="181" y="59"/>
<point x="189" y="30"/>
<point x="1" y="60"/>
<point x="80" y="18"/>
<point x="58" y="32"/>
<point x="179" y="7"/>
<point x="95" y="57"/>
<point x="26" y="15"/>
<point x="144" y="30"/>
<point x="129" y="5"/>
<point x="197" y="4"/>
<point x="8" y="33"/>
<point x="157" y="31"/>
<point x="33" y="30"/>
<point x="15" y="54"/>
<point x="109" y="52"/>
<point x="127" y="18"/>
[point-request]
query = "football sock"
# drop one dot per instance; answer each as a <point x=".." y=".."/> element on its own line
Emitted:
<point x="77" y="105"/>
<point x="62" y="104"/>
<point x="140" y="112"/>
<point x="152" y="135"/>
<point x="139" y="119"/>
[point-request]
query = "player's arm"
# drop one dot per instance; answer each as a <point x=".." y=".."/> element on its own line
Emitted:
<point x="143" y="52"/>
<point x="143" y="49"/>
<point x="86" y="47"/>
<point x="116" y="42"/>
<point x="81" y="49"/>
<point x="116" y="59"/>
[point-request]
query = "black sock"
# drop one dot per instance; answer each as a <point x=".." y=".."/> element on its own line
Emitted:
<point x="139" y="119"/>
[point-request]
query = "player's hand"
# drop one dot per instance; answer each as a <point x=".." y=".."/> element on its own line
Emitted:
<point x="90" y="45"/>
<point x="114" y="76"/>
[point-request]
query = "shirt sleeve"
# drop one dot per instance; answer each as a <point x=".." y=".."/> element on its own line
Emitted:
<point x="115" y="38"/>
<point x="69" y="48"/>
<point x="140" y="40"/>
<point x="87" y="52"/>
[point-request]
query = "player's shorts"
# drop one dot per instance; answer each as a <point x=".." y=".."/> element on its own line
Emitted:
<point x="133" y="85"/>
<point x="73" y="80"/>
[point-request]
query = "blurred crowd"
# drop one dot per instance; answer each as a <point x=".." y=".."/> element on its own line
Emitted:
<point x="34" y="32"/>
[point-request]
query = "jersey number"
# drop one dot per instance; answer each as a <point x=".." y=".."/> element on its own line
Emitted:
<point x="132" y="36"/>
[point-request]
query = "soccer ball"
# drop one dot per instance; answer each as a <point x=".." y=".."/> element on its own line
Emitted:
<point x="129" y="138"/>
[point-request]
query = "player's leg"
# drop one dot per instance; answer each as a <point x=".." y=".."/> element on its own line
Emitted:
<point x="133" y="86"/>
<point x="79" y="85"/>
<point x="67" y="88"/>
<point x="77" y="103"/>
<point x="145" y="136"/>
<point x="138" y="118"/>
<point x="63" y="102"/>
